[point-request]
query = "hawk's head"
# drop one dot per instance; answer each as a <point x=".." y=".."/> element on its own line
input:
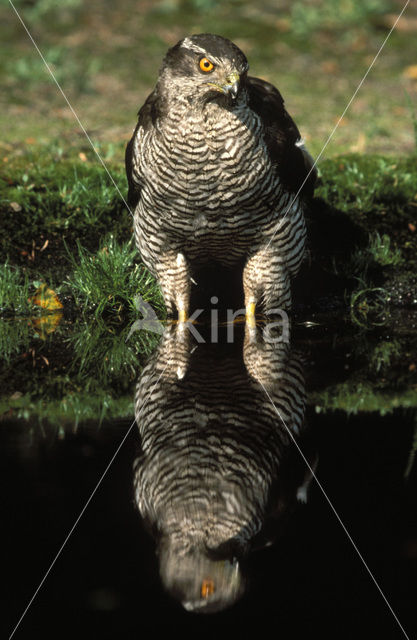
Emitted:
<point x="205" y="67"/>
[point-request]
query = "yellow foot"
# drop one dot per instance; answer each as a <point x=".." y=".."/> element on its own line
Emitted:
<point x="182" y="315"/>
<point x="250" y="315"/>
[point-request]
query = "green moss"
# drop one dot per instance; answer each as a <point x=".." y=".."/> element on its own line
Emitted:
<point x="361" y="184"/>
<point x="362" y="397"/>
<point x="50" y="196"/>
<point x="379" y="376"/>
<point x="106" y="355"/>
<point x="378" y="194"/>
<point x="68" y="411"/>
<point x="57" y="212"/>
<point x="109" y="280"/>
<point x="81" y="370"/>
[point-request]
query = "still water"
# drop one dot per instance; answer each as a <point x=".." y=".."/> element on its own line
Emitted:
<point x="210" y="505"/>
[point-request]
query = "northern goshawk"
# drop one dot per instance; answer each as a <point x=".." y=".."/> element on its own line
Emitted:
<point x="218" y="473"/>
<point x="218" y="173"/>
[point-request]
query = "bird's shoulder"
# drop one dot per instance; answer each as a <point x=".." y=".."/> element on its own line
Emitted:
<point x="289" y="157"/>
<point x="148" y="114"/>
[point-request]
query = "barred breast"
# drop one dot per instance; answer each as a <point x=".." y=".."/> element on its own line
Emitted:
<point x="209" y="187"/>
<point x="214" y="454"/>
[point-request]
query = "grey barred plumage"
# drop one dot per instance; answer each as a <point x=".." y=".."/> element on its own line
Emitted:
<point x="214" y="166"/>
<point x="212" y="472"/>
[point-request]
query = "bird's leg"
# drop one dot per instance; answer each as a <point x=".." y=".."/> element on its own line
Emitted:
<point x="266" y="279"/>
<point x="265" y="361"/>
<point x="173" y="354"/>
<point x="277" y="292"/>
<point x="252" y="287"/>
<point x="174" y="276"/>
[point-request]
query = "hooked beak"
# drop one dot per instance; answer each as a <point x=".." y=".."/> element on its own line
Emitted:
<point x="232" y="86"/>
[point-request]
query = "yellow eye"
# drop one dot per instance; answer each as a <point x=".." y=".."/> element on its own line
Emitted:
<point x="206" y="65"/>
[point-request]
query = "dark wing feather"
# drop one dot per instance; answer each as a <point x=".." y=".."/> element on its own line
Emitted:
<point x="293" y="163"/>
<point x="147" y="117"/>
<point x="133" y="193"/>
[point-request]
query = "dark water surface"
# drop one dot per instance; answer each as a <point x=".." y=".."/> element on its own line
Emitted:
<point x="293" y="572"/>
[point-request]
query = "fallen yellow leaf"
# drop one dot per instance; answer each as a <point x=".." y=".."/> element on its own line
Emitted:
<point x="46" y="298"/>
<point x="46" y="324"/>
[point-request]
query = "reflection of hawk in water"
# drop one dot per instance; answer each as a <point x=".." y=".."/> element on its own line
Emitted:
<point x="213" y="168"/>
<point x="214" y="475"/>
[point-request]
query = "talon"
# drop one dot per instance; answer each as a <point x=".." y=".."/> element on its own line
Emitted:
<point x="182" y="315"/>
<point x="250" y="314"/>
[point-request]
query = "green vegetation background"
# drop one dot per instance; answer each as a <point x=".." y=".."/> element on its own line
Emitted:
<point x="64" y="223"/>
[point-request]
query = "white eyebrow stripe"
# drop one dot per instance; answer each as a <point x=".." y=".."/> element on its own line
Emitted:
<point x="188" y="44"/>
